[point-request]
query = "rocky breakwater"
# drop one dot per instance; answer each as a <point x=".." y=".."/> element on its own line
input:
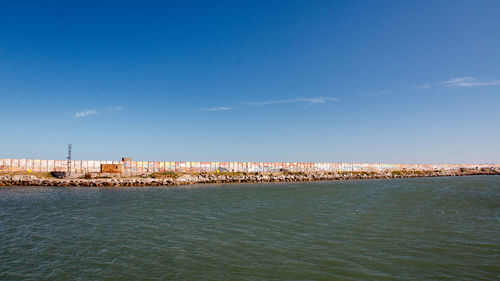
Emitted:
<point x="29" y="180"/>
<point x="198" y="178"/>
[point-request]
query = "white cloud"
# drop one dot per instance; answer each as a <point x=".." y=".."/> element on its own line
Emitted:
<point x="93" y="112"/>
<point x="377" y="93"/>
<point x="85" y="113"/>
<point x="469" y="82"/>
<point x="112" y="109"/>
<point x="220" y="108"/>
<point x="424" y="86"/>
<point x="310" y="101"/>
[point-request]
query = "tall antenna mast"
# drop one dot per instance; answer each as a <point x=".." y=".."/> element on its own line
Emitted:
<point x="69" y="159"/>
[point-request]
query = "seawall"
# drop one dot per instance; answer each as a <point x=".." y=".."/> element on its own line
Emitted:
<point x="199" y="178"/>
<point x="134" y="168"/>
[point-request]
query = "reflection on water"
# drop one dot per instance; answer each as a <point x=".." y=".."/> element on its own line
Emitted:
<point x="431" y="228"/>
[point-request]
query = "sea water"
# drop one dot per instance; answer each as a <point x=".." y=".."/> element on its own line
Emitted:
<point x="400" y="229"/>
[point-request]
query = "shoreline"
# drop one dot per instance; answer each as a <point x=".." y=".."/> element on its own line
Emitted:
<point x="213" y="178"/>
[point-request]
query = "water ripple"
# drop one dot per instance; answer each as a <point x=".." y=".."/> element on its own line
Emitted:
<point x="405" y="229"/>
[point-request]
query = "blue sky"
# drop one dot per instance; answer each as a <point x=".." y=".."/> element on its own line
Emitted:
<point x="326" y="81"/>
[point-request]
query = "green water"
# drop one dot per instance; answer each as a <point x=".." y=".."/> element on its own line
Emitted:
<point x="431" y="228"/>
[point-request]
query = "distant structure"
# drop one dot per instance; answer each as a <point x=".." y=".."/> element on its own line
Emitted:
<point x="127" y="159"/>
<point x="69" y="159"/>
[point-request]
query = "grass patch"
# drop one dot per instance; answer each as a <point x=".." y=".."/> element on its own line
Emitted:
<point x="164" y="175"/>
<point x="291" y="173"/>
<point x="357" y="173"/>
<point x="232" y="173"/>
<point x="36" y="174"/>
<point x="220" y="173"/>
